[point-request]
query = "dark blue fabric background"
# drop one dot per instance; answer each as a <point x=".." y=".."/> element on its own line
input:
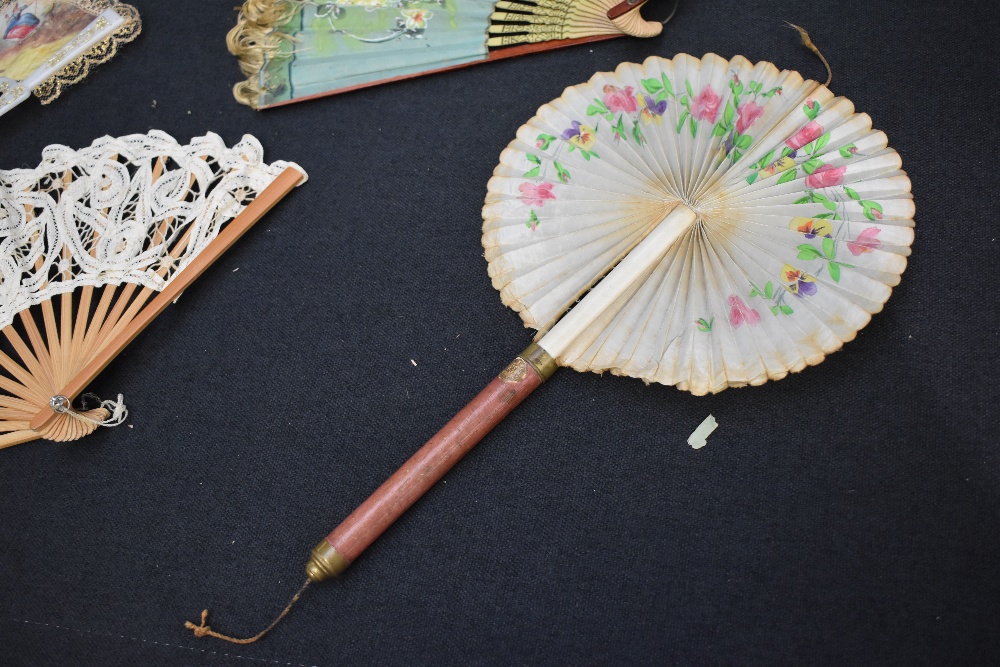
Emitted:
<point x="845" y="515"/>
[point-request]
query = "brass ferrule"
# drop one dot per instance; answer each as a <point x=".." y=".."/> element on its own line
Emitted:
<point x="540" y="360"/>
<point x="325" y="562"/>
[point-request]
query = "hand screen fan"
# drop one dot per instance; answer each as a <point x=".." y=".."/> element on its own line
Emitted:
<point x="46" y="45"/>
<point x="295" y="49"/>
<point x="728" y="223"/>
<point x="96" y="243"/>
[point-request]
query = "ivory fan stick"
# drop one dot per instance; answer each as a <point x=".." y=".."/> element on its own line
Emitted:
<point x="528" y="370"/>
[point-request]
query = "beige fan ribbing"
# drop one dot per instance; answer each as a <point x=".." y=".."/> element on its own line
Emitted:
<point x="781" y="267"/>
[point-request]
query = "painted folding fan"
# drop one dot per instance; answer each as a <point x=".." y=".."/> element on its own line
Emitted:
<point x="47" y="45"/>
<point x="296" y="49"/>
<point x="96" y="243"/>
<point x="698" y="223"/>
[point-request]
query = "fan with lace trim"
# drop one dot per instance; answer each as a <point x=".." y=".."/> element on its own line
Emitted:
<point x="774" y="221"/>
<point x="94" y="244"/>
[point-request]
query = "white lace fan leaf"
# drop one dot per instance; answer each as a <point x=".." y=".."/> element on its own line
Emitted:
<point x="91" y="242"/>
<point x="803" y="220"/>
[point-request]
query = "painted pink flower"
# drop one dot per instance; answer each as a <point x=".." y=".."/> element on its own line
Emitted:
<point x="740" y="312"/>
<point x="535" y="195"/>
<point x="811" y="132"/>
<point x="826" y="176"/>
<point x="616" y="99"/>
<point x="747" y="114"/>
<point x="706" y="105"/>
<point x="867" y="241"/>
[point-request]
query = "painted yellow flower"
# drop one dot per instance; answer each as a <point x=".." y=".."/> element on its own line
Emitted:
<point x="650" y="110"/>
<point x="581" y="136"/>
<point x="778" y="166"/>
<point x="799" y="282"/>
<point x="812" y="227"/>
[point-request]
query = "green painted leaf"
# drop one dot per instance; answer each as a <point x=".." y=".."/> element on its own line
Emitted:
<point x="807" y="148"/>
<point x="533" y="172"/>
<point x="752" y="177"/>
<point x="718" y="130"/>
<point x="845" y="151"/>
<point x="835" y="271"/>
<point x="680" y="123"/>
<point x="789" y="175"/>
<point x="785" y="152"/>
<point x="787" y="310"/>
<point x="870" y="207"/>
<point x="852" y="193"/>
<point x="769" y="289"/>
<point x="532" y="221"/>
<point x="809" y="166"/>
<point x="811" y="111"/>
<point x="754" y="292"/>
<point x="829" y="248"/>
<point x="807" y="252"/>
<point x="687" y="84"/>
<point x="824" y="216"/>
<point x="667" y="86"/>
<point x="533" y="158"/>
<point x="561" y="171"/>
<point x="729" y="113"/>
<point x="652" y="86"/>
<point x="820" y="143"/>
<point x="743" y="141"/>
<point x="774" y="310"/>
<point x="693" y="125"/>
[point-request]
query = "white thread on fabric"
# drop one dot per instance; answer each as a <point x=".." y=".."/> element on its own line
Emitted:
<point x="118" y="413"/>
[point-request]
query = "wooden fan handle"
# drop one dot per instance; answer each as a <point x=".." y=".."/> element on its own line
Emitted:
<point x="286" y="181"/>
<point x="624" y="7"/>
<point x="357" y="532"/>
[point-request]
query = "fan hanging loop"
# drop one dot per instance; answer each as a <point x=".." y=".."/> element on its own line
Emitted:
<point x="117" y="411"/>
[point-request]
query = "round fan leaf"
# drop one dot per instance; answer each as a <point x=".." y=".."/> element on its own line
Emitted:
<point x="804" y="220"/>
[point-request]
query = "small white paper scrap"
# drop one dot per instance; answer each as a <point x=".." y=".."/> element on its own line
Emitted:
<point x="699" y="438"/>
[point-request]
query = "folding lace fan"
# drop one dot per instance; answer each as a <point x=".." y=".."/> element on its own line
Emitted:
<point x="297" y="49"/>
<point x="724" y="224"/>
<point x="96" y="243"/>
<point x="46" y="45"/>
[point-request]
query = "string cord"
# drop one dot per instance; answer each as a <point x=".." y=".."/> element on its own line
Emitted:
<point x="116" y="409"/>
<point x="205" y="630"/>
<point x="808" y="43"/>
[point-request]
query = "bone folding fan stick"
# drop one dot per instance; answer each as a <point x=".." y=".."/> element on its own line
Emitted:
<point x="729" y="223"/>
<point x="96" y="243"/>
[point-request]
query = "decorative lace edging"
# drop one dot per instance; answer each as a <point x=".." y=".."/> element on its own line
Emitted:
<point x="79" y="68"/>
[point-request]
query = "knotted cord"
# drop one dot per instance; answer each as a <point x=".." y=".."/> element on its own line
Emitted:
<point x="205" y="630"/>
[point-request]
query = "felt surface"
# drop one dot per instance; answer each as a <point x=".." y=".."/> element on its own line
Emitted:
<point x="845" y="515"/>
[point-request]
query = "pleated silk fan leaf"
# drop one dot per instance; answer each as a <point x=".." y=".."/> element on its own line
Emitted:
<point x="802" y="220"/>
<point x="291" y="49"/>
<point x="94" y="243"/>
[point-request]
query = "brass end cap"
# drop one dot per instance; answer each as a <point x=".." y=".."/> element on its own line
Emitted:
<point x="325" y="562"/>
<point x="540" y="360"/>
